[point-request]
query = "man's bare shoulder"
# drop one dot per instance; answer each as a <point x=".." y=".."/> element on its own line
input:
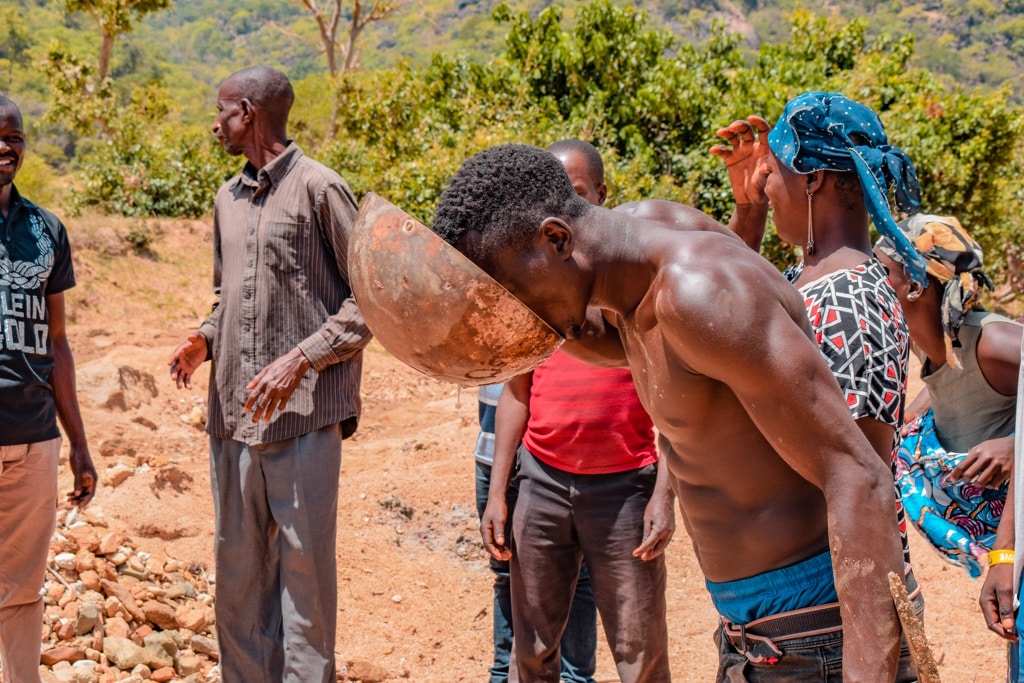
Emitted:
<point x="711" y="288"/>
<point x="673" y="215"/>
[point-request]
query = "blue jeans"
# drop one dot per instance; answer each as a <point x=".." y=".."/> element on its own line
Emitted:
<point x="579" y="642"/>
<point x="813" y="659"/>
<point x="1014" y="652"/>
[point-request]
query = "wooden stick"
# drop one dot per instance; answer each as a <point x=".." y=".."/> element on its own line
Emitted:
<point x="913" y="628"/>
<point x="59" y="577"/>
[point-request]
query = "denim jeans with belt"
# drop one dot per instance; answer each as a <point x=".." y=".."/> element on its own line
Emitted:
<point x="812" y="659"/>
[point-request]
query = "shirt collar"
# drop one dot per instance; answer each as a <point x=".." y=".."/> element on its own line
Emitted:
<point x="16" y="205"/>
<point x="272" y="173"/>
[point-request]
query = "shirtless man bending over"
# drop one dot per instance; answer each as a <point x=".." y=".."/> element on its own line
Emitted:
<point x="770" y="469"/>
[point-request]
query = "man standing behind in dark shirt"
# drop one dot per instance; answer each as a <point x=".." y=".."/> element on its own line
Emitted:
<point x="286" y="341"/>
<point x="37" y="385"/>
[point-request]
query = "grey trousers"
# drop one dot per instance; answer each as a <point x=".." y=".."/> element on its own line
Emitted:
<point x="560" y="520"/>
<point x="276" y="507"/>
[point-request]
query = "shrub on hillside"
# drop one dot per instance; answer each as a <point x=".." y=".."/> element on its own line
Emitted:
<point x="146" y="164"/>
<point x="153" y="177"/>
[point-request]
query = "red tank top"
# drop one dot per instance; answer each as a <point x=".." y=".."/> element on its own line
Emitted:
<point x="587" y="420"/>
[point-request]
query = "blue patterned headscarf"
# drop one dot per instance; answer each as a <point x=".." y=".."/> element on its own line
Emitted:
<point x="814" y="134"/>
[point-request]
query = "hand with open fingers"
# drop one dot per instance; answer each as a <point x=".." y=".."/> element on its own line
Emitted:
<point x="996" y="601"/>
<point x="270" y="390"/>
<point x="492" y="528"/>
<point x="189" y="355"/>
<point x="85" y="477"/>
<point x="659" y="526"/>
<point x="744" y="157"/>
<point x="990" y="463"/>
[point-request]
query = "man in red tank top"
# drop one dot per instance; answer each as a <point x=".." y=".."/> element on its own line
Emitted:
<point x="591" y="488"/>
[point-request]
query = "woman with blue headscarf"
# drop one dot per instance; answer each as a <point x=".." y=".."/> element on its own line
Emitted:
<point x="825" y="172"/>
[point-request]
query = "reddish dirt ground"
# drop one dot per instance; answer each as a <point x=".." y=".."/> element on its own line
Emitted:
<point x="414" y="587"/>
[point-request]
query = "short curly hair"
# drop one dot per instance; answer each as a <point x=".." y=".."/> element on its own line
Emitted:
<point x="504" y="193"/>
<point x="592" y="157"/>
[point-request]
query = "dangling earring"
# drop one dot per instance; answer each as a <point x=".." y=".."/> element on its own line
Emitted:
<point x="809" y="247"/>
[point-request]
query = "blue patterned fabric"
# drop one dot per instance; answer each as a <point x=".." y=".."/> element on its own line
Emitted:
<point x="958" y="518"/>
<point x="814" y="134"/>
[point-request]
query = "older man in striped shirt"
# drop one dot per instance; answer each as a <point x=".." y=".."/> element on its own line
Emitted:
<point x="286" y="341"/>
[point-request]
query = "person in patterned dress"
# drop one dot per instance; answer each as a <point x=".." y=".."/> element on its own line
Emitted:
<point x="825" y="171"/>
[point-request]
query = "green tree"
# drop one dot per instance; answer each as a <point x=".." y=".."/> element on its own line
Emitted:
<point x="113" y="18"/>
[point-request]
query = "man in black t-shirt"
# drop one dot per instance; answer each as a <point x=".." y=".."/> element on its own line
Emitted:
<point x="37" y="385"/>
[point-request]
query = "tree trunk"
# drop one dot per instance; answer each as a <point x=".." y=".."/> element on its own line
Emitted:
<point x="103" y="64"/>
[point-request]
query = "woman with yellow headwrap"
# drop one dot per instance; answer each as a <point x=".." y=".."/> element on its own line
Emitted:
<point x="957" y="456"/>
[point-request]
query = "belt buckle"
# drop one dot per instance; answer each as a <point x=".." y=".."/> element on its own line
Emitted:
<point x="757" y="649"/>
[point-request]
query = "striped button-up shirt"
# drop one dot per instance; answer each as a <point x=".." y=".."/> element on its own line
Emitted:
<point x="281" y="279"/>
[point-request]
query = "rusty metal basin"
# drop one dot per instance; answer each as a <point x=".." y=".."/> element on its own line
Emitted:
<point x="433" y="308"/>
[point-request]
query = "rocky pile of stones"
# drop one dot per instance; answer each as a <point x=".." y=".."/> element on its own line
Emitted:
<point x="114" y="613"/>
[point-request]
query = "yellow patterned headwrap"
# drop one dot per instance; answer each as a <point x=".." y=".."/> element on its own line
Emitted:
<point x="952" y="258"/>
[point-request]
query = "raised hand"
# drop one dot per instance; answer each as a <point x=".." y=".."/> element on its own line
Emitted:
<point x="744" y="157"/>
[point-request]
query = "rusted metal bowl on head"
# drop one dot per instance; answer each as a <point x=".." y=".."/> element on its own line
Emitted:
<point x="433" y="308"/>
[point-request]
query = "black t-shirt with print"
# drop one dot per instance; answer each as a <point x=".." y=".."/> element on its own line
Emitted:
<point x="35" y="261"/>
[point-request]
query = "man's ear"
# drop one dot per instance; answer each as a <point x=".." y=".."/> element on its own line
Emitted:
<point x="247" y="109"/>
<point x="557" y="233"/>
<point x="602" y="194"/>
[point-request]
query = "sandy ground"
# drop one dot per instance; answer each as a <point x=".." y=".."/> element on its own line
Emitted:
<point x="414" y="587"/>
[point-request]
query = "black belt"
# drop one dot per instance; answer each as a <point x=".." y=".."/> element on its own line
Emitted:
<point x="757" y="639"/>
<point x="788" y="625"/>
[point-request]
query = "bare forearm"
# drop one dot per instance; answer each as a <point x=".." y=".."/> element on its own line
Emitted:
<point x="65" y="392"/>
<point x="863" y="554"/>
<point x="748" y="222"/>
<point x="663" y="484"/>
<point x="510" y="420"/>
<point x="1005" y="533"/>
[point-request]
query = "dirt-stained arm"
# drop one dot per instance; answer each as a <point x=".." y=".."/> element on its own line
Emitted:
<point x="510" y="422"/>
<point x="753" y="337"/>
<point x="659" y="517"/>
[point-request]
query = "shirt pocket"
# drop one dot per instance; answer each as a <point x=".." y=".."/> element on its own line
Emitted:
<point x="287" y="246"/>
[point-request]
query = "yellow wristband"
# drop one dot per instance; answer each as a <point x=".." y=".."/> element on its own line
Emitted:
<point x="1000" y="557"/>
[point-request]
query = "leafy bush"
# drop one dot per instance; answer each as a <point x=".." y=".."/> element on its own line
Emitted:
<point x="148" y="167"/>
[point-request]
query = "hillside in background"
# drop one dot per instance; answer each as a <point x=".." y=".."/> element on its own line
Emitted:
<point x="440" y="79"/>
<point x="972" y="42"/>
<point x="195" y="43"/>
